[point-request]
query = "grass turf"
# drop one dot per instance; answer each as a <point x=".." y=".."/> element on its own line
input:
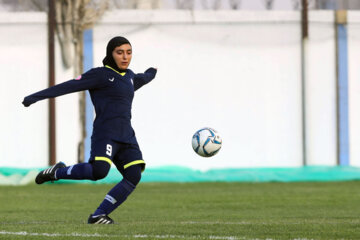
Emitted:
<point x="185" y="211"/>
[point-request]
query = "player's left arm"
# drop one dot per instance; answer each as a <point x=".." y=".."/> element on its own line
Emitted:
<point x="141" y="79"/>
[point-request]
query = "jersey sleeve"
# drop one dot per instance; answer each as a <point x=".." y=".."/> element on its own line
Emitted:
<point x="141" y="79"/>
<point x="86" y="81"/>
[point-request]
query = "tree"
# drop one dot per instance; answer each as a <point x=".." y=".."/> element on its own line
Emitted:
<point x="73" y="17"/>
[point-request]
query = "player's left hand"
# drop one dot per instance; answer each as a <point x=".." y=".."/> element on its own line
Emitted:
<point x="151" y="71"/>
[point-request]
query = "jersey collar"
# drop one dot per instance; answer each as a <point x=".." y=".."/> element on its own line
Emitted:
<point x="121" y="73"/>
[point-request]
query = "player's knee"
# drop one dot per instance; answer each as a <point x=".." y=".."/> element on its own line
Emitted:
<point x="97" y="175"/>
<point x="100" y="169"/>
<point x="133" y="174"/>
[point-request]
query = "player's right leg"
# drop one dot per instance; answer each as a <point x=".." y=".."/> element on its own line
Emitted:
<point x="93" y="170"/>
<point x="49" y="173"/>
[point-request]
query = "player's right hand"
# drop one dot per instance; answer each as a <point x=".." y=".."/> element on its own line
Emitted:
<point x="27" y="102"/>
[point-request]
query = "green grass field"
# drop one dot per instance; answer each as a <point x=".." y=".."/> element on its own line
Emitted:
<point x="185" y="211"/>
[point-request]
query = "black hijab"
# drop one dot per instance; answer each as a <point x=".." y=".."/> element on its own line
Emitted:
<point x="113" y="43"/>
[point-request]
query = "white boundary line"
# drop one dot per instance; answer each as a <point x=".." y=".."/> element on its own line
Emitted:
<point x="96" y="235"/>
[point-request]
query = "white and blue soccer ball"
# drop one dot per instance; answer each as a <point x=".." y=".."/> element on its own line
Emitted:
<point x="206" y="142"/>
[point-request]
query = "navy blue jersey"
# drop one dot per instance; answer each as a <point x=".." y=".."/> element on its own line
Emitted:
<point x="111" y="93"/>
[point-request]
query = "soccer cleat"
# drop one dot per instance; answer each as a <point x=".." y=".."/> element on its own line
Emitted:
<point x="48" y="174"/>
<point x="100" y="219"/>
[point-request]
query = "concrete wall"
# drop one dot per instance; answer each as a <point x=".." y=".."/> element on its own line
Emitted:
<point x="24" y="70"/>
<point x="24" y="132"/>
<point x="354" y="86"/>
<point x="238" y="72"/>
<point x="320" y="90"/>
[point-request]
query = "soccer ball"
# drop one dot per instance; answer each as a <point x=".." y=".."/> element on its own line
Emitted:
<point x="206" y="142"/>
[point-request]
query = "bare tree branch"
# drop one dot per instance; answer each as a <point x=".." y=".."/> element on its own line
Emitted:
<point x="185" y="4"/>
<point x="41" y="5"/>
<point x="216" y="4"/>
<point x="211" y="4"/>
<point x="296" y="4"/>
<point x="25" y="5"/>
<point x="268" y="4"/>
<point x="235" y="4"/>
<point x="204" y="4"/>
<point x="73" y="17"/>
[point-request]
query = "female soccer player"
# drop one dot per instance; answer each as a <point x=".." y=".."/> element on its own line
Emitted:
<point x="113" y="139"/>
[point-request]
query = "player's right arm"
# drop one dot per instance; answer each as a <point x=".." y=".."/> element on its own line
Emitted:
<point x="88" y="80"/>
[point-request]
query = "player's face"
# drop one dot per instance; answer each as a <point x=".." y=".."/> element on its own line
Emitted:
<point x="122" y="56"/>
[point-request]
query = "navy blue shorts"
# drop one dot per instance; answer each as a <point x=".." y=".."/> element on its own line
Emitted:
<point x="123" y="155"/>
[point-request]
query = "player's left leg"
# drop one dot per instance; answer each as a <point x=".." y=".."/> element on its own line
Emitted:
<point x="118" y="194"/>
<point x="131" y="171"/>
